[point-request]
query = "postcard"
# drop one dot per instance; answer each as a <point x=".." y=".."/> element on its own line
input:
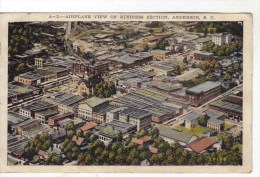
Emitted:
<point x="126" y="92"/>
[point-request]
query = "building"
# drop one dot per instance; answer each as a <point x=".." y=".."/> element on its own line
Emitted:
<point x="53" y="121"/>
<point x="173" y="136"/>
<point x="160" y="69"/>
<point x="203" y="56"/>
<point x="123" y="127"/>
<point x="201" y="42"/>
<point x="138" y="117"/>
<point x="190" y="120"/>
<point x="204" y="92"/>
<point x="88" y="126"/>
<point x="220" y="39"/>
<point x="39" y="62"/>
<point x="87" y="87"/>
<point x="160" y="54"/>
<point x="66" y="102"/>
<point x="215" y="124"/>
<point x="90" y="70"/>
<point x="201" y="145"/>
<point x="31" y="110"/>
<point x="108" y="134"/>
<point x="41" y="75"/>
<point x="45" y="115"/>
<point x="130" y="60"/>
<point x="113" y="114"/>
<point x="141" y="141"/>
<point x="17" y="92"/>
<point x="86" y="108"/>
<point x="100" y="115"/>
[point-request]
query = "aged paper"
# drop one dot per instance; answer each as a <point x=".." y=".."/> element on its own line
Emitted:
<point x="126" y="92"/>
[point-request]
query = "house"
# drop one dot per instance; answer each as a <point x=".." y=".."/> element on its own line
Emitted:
<point x="142" y="140"/>
<point x="42" y="154"/>
<point x="153" y="150"/>
<point x="201" y="145"/>
<point x="79" y="140"/>
<point x="173" y="136"/>
<point x="190" y="120"/>
<point x="86" y="108"/>
<point x="108" y="134"/>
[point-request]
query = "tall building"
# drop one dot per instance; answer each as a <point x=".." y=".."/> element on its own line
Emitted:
<point x="221" y="38"/>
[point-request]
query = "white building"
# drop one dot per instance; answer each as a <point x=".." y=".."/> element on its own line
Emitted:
<point x="220" y="39"/>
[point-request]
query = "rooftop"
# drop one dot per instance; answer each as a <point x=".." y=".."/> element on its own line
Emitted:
<point x="88" y="126"/>
<point x="136" y="113"/>
<point x="95" y="101"/>
<point x="168" y="132"/>
<point x="38" y="106"/>
<point x="204" y="87"/>
<point x="191" y="116"/>
<point x="66" y="98"/>
<point x="202" y="144"/>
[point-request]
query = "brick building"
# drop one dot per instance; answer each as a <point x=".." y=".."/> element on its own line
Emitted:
<point x="202" y="93"/>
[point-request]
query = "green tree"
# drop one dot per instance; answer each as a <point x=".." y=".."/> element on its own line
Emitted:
<point x="146" y="47"/>
<point x="226" y="76"/>
<point x="161" y="44"/>
<point x="203" y="120"/>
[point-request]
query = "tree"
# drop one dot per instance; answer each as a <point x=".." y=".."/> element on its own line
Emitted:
<point x="226" y="76"/>
<point x="54" y="159"/>
<point x="70" y="126"/>
<point x="185" y="60"/>
<point x="146" y="47"/>
<point x="227" y="141"/>
<point x="178" y="69"/>
<point x="161" y="44"/>
<point x="203" y="120"/>
<point x="205" y="32"/>
<point x="70" y="133"/>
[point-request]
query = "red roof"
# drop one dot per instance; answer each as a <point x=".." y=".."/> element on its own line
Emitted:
<point x="202" y="144"/>
<point x="42" y="154"/>
<point x="146" y="138"/>
<point x="153" y="150"/>
<point x="137" y="141"/>
<point x="88" y="126"/>
<point x="77" y="140"/>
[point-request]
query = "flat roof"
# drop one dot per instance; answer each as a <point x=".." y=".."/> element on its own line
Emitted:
<point x="167" y="131"/>
<point x="15" y="118"/>
<point x="136" y="113"/>
<point x="191" y="116"/>
<point x="94" y="101"/>
<point x="204" y="87"/>
<point x="38" y="106"/>
<point x="120" y="126"/>
<point x="66" y="98"/>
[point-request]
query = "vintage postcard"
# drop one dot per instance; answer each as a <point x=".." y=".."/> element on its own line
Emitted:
<point x="126" y="92"/>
